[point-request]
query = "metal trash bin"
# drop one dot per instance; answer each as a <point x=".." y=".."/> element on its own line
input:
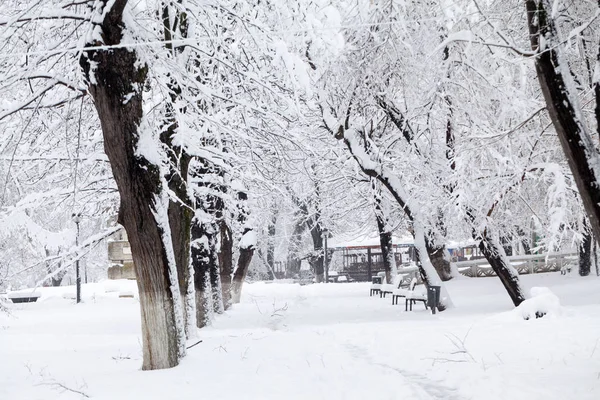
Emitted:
<point x="433" y="297"/>
<point x="377" y="280"/>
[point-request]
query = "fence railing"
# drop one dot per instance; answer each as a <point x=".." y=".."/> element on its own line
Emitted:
<point x="525" y="264"/>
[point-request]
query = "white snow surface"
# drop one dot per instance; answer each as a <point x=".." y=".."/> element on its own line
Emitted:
<point x="286" y="341"/>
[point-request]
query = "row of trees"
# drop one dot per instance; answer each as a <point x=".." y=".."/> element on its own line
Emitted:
<point x="216" y="129"/>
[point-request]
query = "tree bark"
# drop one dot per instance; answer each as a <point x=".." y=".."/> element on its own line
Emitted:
<point x="585" y="254"/>
<point x="246" y="251"/>
<point x="317" y="258"/>
<point x="202" y="258"/>
<point x="226" y="262"/>
<point x="180" y="207"/>
<point x="271" y="232"/>
<point x="437" y="255"/>
<point x="293" y="258"/>
<point x="387" y="250"/>
<point x="563" y="107"/>
<point x="494" y="254"/>
<point x="117" y="75"/>
<point x="240" y="272"/>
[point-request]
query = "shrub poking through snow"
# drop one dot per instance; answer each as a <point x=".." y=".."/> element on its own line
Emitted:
<point x="541" y="302"/>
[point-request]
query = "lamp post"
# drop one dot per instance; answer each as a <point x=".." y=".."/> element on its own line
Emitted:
<point x="77" y="220"/>
<point x="325" y="266"/>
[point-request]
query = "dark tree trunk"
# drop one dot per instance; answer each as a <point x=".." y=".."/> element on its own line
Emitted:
<point x="385" y="236"/>
<point x="595" y="244"/>
<point x="495" y="256"/>
<point x="553" y="75"/>
<point x="118" y="75"/>
<point x="202" y="258"/>
<point x="181" y="208"/>
<point x="316" y="260"/>
<point x="387" y="251"/>
<point x="494" y="253"/>
<point x="205" y="257"/>
<point x="585" y="254"/>
<point x="226" y="262"/>
<point x="215" y="278"/>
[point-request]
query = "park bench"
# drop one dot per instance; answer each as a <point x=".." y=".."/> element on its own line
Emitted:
<point x="388" y="288"/>
<point x="410" y="295"/>
<point x="376" y="283"/>
<point x="25" y="296"/>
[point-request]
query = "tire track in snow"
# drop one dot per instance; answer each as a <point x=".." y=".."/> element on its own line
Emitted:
<point x="433" y="389"/>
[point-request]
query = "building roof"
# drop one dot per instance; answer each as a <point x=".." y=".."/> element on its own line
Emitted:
<point x="367" y="241"/>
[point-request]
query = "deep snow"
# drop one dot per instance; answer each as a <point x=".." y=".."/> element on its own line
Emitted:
<point x="313" y="342"/>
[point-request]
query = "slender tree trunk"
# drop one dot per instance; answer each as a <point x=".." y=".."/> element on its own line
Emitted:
<point x="117" y="75"/>
<point x="387" y="250"/>
<point x="563" y="107"/>
<point x="494" y="254"/>
<point x="316" y="260"/>
<point x="595" y="243"/>
<point x="226" y="262"/>
<point x="385" y="236"/>
<point x="585" y="254"/>
<point x="271" y="232"/>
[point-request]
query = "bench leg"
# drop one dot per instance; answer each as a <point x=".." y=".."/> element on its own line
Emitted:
<point x="406" y="305"/>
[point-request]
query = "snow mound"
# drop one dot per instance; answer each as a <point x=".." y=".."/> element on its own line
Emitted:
<point x="541" y="303"/>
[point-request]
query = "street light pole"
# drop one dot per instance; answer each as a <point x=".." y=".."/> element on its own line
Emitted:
<point x="325" y="266"/>
<point x="77" y="220"/>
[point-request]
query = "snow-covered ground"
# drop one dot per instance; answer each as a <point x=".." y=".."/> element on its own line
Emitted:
<point x="312" y="342"/>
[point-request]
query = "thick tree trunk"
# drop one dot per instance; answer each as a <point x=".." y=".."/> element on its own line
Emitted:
<point x="180" y="220"/>
<point x="247" y="247"/>
<point x="563" y="107"/>
<point x="240" y="274"/>
<point x="202" y="259"/>
<point x="492" y="249"/>
<point x="180" y="208"/>
<point x="215" y="281"/>
<point x="585" y="254"/>
<point x="437" y="255"/>
<point x="494" y="254"/>
<point x="56" y="280"/>
<point x="117" y="75"/>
